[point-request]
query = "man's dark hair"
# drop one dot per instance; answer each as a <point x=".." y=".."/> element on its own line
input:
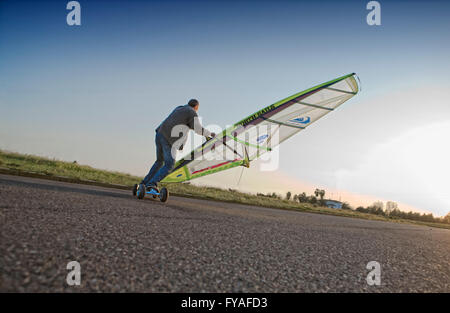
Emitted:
<point x="193" y="102"/>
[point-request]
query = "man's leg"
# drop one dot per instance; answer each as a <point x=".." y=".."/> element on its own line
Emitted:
<point x="168" y="163"/>
<point x="158" y="163"/>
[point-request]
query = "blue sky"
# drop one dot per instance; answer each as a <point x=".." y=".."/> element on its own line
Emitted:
<point x="95" y="92"/>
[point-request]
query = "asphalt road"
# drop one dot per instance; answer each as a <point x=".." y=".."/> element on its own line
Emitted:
<point x="189" y="245"/>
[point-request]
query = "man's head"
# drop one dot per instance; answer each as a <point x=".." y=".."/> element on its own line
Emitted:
<point x="194" y="104"/>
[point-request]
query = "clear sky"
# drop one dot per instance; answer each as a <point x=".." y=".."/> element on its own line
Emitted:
<point x="95" y="93"/>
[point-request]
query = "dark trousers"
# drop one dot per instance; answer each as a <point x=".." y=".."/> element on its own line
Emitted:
<point x="163" y="164"/>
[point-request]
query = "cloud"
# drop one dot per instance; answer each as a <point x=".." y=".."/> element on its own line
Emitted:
<point x="411" y="168"/>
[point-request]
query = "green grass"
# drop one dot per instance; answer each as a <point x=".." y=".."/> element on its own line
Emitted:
<point x="25" y="164"/>
<point x="53" y="167"/>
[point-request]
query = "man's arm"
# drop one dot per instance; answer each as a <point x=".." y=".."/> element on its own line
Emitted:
<point x="195" y="125"/>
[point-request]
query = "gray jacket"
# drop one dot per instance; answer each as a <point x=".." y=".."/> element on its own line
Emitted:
<point x="182" y="115"/>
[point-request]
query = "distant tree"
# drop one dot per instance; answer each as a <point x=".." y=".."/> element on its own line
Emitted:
<point x="390" y="206"/>
<point x="376" y="208"/>
<point x="303" y="198"/>
<point x="361" y="209"/>
<point x="395" y="213"/>
<point x="270" y="195"/>
<point x="295" y="198"/>
<point x="312" y="200"/>
<point x="428" y="217"/>
<point x="319" y="193"/>
<point x="267" y="195"/>
<point x="392" y="211"/>
<point x="288" y="195"/>
<point x="346" y="206"/>
<point x="378" y="204"/>
<point x="446" y="218"/>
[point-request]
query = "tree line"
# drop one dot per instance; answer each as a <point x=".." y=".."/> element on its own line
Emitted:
<point x="316" y="199"/>
<point x="392" y="211"/>
<point x="389" y="210"/>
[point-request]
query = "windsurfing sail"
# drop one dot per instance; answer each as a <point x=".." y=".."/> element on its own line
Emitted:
<point x="260" y="132"/>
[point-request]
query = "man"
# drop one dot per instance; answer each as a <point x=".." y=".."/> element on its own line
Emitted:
<point x="173" y="130"/>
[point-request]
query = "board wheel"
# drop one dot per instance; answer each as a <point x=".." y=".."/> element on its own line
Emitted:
<point x="141" y="191"/>
<point x="135" y="188"/>
<point x="163" y="194"/>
